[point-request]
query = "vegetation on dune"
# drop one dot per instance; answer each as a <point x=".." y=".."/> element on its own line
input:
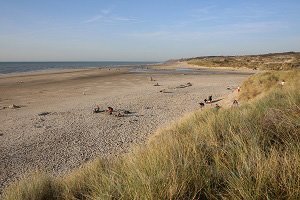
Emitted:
<point x="267" y="81"/>
<point x="246" y="152"/>
<point x="279" y="61"/>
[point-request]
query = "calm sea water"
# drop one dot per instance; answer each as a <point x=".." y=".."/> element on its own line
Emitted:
<point x="13" y="67"/>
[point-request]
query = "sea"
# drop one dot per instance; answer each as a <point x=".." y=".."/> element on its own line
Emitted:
<point x="16" y="67"/>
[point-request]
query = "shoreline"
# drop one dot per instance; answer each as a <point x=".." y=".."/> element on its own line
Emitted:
<point x="70" y="135"/>
<point x="156" y="66"/>
<point x="62" y="69"/>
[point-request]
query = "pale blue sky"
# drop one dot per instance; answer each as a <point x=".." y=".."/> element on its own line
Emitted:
<point x="138" y="30"/>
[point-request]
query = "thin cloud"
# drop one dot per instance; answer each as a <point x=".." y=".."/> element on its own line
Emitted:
<point x="93" y="19"/>
<point x="123" y="19"/>
<point x="107" y="16"/>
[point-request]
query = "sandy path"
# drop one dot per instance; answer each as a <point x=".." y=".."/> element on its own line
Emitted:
<point x="71" y="135"/>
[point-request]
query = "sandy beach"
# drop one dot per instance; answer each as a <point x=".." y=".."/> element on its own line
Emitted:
<point x="55" y="130"/>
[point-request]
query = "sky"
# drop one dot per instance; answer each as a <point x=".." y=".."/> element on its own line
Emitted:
<point x="140" y="30"/>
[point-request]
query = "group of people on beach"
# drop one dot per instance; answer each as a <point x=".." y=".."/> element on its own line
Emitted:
<point x="97" y="110"/>
<point x="110" y="111"/>
<point x="209" y="100"/>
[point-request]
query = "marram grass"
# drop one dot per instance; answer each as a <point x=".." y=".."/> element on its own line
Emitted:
<point x="249" y="152"/>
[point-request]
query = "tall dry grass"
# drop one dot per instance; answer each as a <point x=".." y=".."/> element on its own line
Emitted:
<point x="249" y="152"/>
<point x="264" y="82"/>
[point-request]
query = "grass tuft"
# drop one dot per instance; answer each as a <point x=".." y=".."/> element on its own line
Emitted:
<point x="36" y="186"/>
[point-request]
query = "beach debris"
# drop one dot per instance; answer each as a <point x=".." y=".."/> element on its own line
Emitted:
<point x="156" y="84"/>
<point x="228" y="88"/>
<point x="181" y="86"/>
<point x="185" y="85"/>
<point x="43" y="113"/>
<point x="282" y="83"/>
<point x="127" y="112"/>
<point x="20" y="82"/>
<point x="217" y="106"/>
<point x="151" y="79"/>
<point x="238" y="89"/>
<point x="83" y="93"/>
<point x="1" y="134"/>
<point x="119" y="115"/>
<point x="165" y="91"/>
<point x="13" y="106"/>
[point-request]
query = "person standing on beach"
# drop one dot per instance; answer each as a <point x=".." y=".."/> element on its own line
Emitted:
<point x="210" y="99"/>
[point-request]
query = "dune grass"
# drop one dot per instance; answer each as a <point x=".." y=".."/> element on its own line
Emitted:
<point x="264" y="82"/>
<point x="249" y="152"/>
<point x="36" y="186"/>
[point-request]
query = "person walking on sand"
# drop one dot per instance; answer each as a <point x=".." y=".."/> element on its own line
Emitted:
<point x="238" y="89"/>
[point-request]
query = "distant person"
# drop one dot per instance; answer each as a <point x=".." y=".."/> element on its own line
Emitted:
<point x="238" y="89"/>
<point x="201" y="105"/>
<point x="110" y="110"/>
<point x="96" y="110"/>
<point x="210" y="99"/>
<point x="235" y="103"/>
